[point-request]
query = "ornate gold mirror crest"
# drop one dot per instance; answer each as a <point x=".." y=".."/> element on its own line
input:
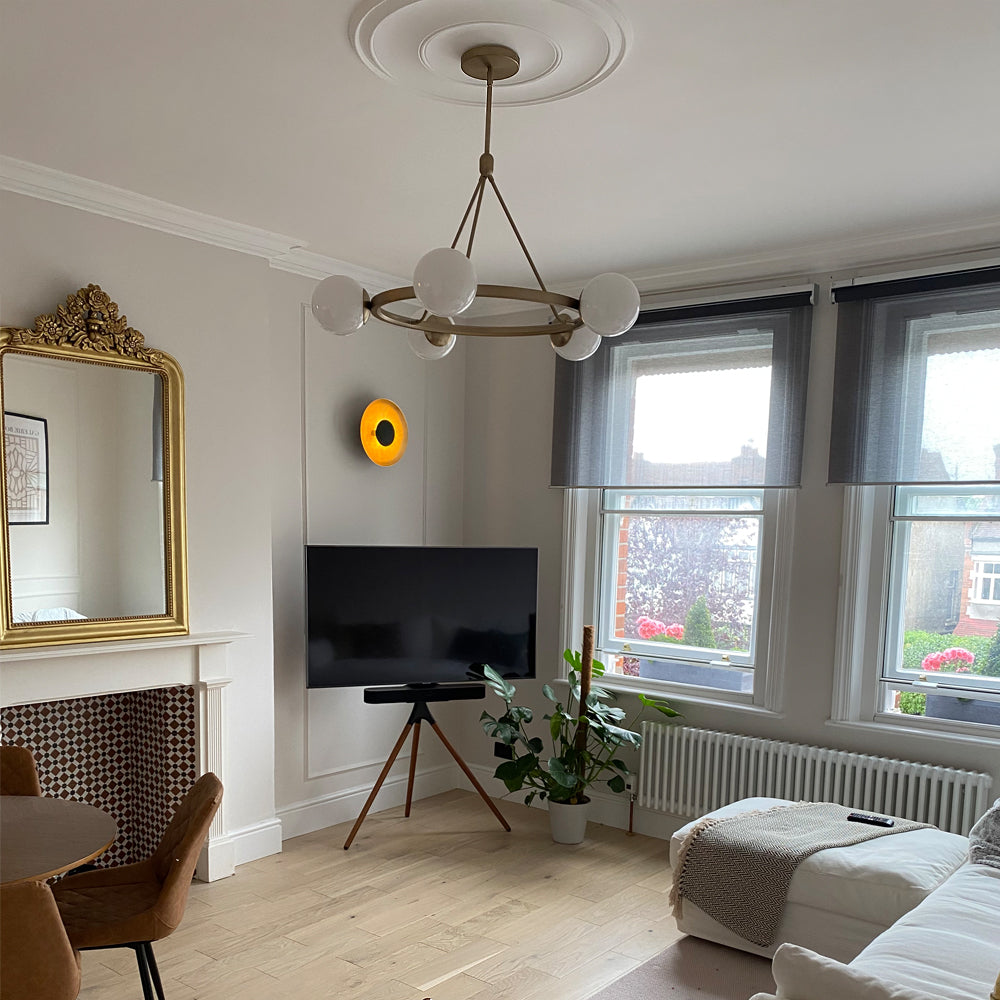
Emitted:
<point x="92" y="475"/>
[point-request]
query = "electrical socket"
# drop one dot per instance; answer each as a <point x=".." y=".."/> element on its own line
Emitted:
<point x="502" y="750"/>
<point x="630" y="783"/>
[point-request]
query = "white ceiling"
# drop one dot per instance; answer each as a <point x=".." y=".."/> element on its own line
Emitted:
<point x="733" y="127"/>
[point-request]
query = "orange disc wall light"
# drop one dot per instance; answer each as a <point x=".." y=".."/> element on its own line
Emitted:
<point x="383" y="432"/>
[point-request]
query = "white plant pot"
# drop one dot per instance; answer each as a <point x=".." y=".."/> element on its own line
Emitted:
<point x="568" y="823"/>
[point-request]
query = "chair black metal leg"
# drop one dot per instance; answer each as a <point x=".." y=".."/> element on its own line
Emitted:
<point x="153" y="970"/>
<point x="140" y="958"/>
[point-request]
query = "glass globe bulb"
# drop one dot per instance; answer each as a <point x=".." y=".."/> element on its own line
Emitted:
<point x="583" y="342"/>
<point x="609" y="304"/>
<point x="444" y="281"/>
<point x="423" y="348"/>
<point x="338" y="303"/>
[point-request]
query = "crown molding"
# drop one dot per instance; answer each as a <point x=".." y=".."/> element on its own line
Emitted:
<point x="285" y="253"/>
<point x="47" y="184"/>
<point x="316" y="265"/>
<point x="914" y="246"/>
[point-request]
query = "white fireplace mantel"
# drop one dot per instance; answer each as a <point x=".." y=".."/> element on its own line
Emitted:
<point x="30" y="675"/>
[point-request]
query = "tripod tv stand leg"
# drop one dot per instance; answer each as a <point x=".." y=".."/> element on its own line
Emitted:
<point x="419" y="713"/>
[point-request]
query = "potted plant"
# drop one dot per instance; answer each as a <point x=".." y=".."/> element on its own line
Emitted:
<point x="584" y="736"/>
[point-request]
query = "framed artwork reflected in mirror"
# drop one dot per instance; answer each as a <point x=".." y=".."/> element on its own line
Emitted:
<point x="26" y="454"/>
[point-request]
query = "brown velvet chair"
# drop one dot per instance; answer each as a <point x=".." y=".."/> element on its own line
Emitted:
<point x="38" y="962"/>
<point x="135" y="905"/>
<point x="18" y="775"/>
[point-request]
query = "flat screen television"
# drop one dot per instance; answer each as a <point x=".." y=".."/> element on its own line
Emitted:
<point x="418" y="615"/>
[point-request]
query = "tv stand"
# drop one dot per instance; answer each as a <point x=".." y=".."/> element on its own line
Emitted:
<point x="419" y="697"/>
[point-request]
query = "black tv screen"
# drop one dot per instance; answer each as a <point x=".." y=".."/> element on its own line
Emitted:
<point x="386" y="614"/>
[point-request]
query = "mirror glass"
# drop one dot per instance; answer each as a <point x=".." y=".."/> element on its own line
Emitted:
<point x="91" y="539"/>
<point x="92" y="519"/>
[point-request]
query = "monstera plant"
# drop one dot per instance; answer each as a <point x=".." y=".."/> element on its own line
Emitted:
<point x="580" y="743"/>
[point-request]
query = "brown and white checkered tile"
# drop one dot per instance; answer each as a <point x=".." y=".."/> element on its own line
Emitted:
<point x="132" y="754"/>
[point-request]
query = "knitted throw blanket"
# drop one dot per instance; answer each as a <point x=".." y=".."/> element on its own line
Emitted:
<point x="984" y="838"/>
<point x="738" y="868"/>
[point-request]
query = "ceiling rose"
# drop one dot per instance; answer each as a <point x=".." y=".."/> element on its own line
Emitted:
<point x="565" y="46"/>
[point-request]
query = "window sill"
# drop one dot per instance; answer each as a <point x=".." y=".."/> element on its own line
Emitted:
<point x="675" y="696"/>
<point x="886" y="724"/>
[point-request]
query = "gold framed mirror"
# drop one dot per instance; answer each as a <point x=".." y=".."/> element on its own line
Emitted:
<point x="94" y="540"/>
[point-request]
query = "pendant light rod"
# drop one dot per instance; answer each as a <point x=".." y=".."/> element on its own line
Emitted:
<point x="476" y="193"/>
<point x="489" y="108"/>
<point x="475" y="218"/>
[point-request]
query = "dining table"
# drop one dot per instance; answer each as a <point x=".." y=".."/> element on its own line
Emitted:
<point x="42" y="836"/>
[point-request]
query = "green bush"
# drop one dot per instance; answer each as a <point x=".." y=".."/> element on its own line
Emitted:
<point x="912" y="702"/>
<point x="698" y="626"/>
<point x="991" y="660"/>
<point x="917" y="644"/>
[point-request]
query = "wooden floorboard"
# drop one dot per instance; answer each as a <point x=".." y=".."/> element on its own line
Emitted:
<point x="443" y="904"/>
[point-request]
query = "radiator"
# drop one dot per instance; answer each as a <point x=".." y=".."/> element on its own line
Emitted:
<point x="689" y="772"/>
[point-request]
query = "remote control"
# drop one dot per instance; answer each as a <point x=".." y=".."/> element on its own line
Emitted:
<point x="872" y="819"/>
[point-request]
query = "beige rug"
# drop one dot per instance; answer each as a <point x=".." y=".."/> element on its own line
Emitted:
<point x="692" y="969"/>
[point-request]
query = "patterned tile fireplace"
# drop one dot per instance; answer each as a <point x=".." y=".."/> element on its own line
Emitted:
<point x="132" y="754"/>
<point x="127" y="726"/>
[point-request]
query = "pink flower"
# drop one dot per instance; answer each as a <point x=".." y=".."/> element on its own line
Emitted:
<point x="675" y="631"/>
<point x="954" y="661"/>
<point x="648" y="627"/>
<point x="932" y="661"/>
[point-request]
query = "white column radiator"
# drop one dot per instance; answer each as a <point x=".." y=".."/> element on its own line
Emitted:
<point x="689" y="772"/>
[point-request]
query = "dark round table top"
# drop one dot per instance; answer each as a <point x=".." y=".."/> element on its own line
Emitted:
<point x="41" y="837"/>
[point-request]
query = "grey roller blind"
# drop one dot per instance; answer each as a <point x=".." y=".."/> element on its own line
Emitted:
<point x="917" y="381"/>
<point x="699" y="397"/>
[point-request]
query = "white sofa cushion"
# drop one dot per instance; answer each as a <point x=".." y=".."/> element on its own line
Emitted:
<point x="801" y="974"/>
<point x="949" y="945"/>
<point x="877" y="881"/>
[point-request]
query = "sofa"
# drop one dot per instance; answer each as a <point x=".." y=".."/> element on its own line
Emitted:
<point x="946" y="948"/>
<point x="840" y="899"/>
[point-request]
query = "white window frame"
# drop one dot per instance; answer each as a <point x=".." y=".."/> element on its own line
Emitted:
<point x="863" y="617"/>
<point x="580" y="605"/>
<point x="609" y="557"/>
<point x="980" y="575"/>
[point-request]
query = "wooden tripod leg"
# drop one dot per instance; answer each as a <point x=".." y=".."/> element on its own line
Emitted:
<point x="479" y="788"/>
<point x="413" y="766"/>
<point x="378" y="784"/>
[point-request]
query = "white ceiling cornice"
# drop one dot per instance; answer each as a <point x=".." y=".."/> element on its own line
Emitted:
<point x="285" y="253"/>
<point x="944" y="245"/>
<point x="316" y="265"/>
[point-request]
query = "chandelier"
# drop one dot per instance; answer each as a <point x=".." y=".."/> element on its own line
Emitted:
<point x="445" y="283"/>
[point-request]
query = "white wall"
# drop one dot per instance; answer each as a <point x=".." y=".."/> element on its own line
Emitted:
<point x="209" y="308"/>
<point x="507" y="502"/>
<point x="330" y="744"/>
<point x="273" y="461"/>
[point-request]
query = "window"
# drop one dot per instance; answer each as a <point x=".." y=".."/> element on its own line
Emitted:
<point x="937" y="632"/>
<point x="679" y="585"/>
<point x="917" y="376"/>
<point x="985" y="581"/>
<point x="685" y="426"/>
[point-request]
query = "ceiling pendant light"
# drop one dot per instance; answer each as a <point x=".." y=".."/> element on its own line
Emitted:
<point x="445" y="282"/>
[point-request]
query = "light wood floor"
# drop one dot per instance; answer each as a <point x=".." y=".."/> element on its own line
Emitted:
<point x="444" y="904"/>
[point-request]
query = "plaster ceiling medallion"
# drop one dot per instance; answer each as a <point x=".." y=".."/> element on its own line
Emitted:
<point x="565" y="46"/>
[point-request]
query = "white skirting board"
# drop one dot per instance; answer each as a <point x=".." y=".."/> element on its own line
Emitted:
<point x="220" y="856"/>
<point x="345" y="806"/>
